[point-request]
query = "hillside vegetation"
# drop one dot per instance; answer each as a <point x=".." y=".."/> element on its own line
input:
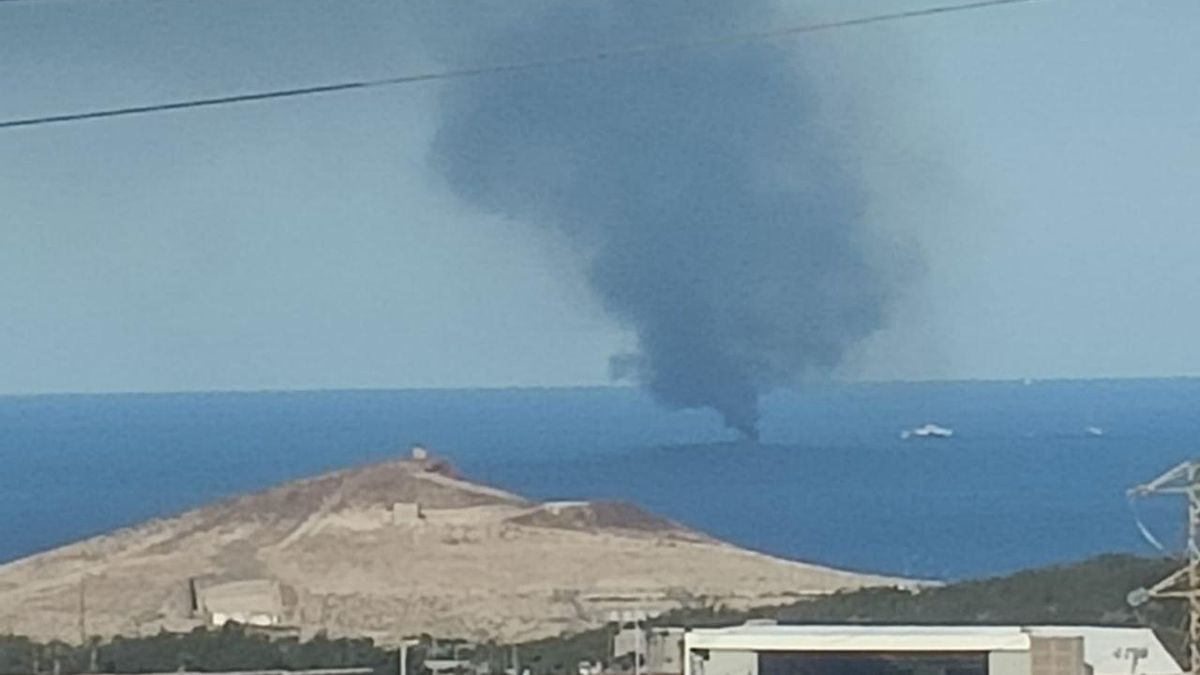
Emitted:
<point x="1090" y="592"/>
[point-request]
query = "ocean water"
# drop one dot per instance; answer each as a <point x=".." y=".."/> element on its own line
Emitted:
<point x="1021" y="483"/>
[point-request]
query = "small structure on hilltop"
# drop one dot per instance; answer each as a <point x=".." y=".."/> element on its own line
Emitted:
<point x="426" y="459"/>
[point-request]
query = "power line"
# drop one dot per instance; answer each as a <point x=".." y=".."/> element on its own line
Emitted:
<point x="630" y="52"/>
<point x="44" y="2"/>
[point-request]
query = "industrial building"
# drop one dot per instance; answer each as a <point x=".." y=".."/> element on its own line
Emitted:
<point x="250" y="602"/>
<point x="922" y="650"/>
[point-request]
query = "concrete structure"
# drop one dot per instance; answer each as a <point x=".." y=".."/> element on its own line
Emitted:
<point x="664" y="651"/>
<point x="661" y="649"/>
<point x="253" y="602"/>
<point x="925" y="650"/>
<point x="407" y="513"/>
<point x="630" y="639"/>
<point x="1115" y="650"/>
<point x="1057" y="656"/>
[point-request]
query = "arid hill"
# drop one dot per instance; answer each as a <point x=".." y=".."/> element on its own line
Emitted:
<point x="390" y="550"/>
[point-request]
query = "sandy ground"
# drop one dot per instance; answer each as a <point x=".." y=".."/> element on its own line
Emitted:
<point x="480" y="563"/>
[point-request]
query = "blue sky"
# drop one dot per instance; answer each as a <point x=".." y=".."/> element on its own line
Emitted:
<point x="306" y="243"/>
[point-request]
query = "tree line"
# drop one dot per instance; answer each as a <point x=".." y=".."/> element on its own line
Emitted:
<point x="226" y="649"/>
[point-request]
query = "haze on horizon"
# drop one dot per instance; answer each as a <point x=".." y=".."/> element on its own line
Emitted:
<point x="308" y="244"/>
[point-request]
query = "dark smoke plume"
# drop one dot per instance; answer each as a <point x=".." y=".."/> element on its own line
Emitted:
<point x="714" y="212"/>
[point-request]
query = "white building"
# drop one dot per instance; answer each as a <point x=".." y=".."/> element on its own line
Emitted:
<point x="252" y="602"/>
<point x="925" y="650"/>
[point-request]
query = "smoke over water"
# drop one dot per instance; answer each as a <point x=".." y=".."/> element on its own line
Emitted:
<point x="713" y="211"/>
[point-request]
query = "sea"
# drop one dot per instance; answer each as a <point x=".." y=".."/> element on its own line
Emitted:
<point x="1036" y="472"/>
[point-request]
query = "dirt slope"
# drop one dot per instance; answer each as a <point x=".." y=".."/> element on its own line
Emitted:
<point x="390" y="550"/>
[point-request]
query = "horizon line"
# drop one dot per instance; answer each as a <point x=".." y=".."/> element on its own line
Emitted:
<point x="566" y="387"/>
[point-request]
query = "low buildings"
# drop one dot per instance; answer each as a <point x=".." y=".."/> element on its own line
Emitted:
<point x="925" y="650"/>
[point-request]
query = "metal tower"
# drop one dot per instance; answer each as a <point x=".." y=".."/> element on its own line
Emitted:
<point x="1183" y="584"/>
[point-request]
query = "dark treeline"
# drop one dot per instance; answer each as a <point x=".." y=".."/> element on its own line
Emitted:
<point x="227" y="649"/>
<point x="1090" y="592"/>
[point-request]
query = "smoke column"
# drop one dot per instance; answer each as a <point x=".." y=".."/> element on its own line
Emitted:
<point x="713" y="212"/>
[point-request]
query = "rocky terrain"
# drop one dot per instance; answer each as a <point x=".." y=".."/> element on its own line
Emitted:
<point x="390" y="550"/>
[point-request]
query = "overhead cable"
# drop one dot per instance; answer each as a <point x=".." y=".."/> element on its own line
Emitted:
<point x="493" y="69"/>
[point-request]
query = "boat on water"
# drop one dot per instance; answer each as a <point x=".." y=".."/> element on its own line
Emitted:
<point x="1094" y="431"/>
<point x="927" y="431"/>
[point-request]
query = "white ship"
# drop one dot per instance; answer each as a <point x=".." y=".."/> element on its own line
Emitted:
<point x="927" y="431"/>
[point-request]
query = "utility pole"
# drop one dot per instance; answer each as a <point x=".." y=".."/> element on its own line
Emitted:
<point x="83" y="610"/>
<point x="1184" y="583"/>
<point x="637" y="618"/>
<point x="403" y="649"/>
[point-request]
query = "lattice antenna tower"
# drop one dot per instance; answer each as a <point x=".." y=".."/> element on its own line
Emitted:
<point x="1184" y="583"/>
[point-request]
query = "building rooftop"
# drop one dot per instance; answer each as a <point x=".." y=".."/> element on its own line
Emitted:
<point x="1109" y="650"/>
<point x="861" y="638"/>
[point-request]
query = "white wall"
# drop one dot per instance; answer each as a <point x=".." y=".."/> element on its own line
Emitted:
<point x="721" y="662"/>
<point x="1010" y="663"/>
